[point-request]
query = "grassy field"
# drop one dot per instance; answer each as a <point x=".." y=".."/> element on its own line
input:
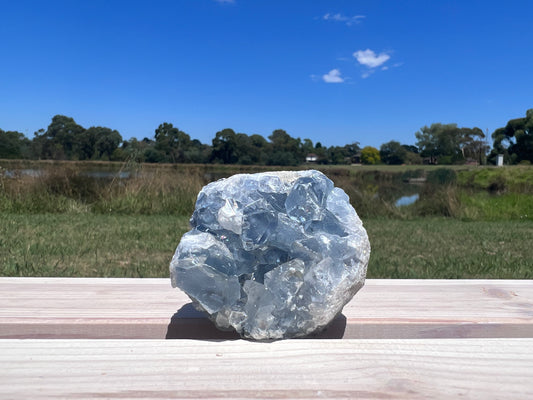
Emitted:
<point x="88" y="244"/>
<point x="142" y="246"/>
<point x="468" y="223"/>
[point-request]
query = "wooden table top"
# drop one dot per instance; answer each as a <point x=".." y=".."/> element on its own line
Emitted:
<point x="86" y="338"/>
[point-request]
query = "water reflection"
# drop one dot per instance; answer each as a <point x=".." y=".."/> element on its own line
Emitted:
<point x="406" y="200"/>
<point x="36" y="173"/>
<point x="22" y="172"/>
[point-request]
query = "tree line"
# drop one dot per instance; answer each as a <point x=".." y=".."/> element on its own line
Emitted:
<point x="438" y="143"/>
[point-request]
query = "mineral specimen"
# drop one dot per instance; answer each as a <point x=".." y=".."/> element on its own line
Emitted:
<point x="272" y="255"/>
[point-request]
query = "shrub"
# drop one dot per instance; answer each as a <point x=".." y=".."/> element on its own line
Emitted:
<point x="442" y="176"/>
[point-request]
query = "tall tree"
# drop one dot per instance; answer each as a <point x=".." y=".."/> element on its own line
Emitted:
<point x="353" y="149"/>
<point x="61" y="140"/>
<point x="98" y="143"/>
<point x="515" y="140"/>
<point x="336" y="155"/>
<point x="14" y="145"/>
<point x="286" y="150"/>
<point x="445" y="143"/>
<point x="225" y="147"/>
<point x="108" y="141"/>
<point x="261" y="149"/>
<point x="307" y="145"/>
<point x="393" y="153"/>
<point x="172" y="142"/>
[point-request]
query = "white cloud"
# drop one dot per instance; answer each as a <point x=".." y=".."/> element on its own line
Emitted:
<point x="370" y="59"/>
<point x="343" y="18"/>
<point x="333" y="76"/>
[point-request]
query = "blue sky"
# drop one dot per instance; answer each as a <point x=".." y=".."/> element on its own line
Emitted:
<point x="332" y="71"/>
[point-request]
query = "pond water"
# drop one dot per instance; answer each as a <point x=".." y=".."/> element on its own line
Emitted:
<point x="22" y="172"/>
<point x="397" y="192"/>
<point x="406" y="200"/>
<point x="91" y="174"/>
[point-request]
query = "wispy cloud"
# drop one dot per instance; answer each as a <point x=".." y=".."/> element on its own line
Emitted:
<point x="333" y="76"/>
<point x="225" y="1"/>
<point x="370" y="59"/>
<point x="343" y="18"/>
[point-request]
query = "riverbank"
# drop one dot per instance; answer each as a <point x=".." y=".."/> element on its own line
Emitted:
<point x="67" y="221"/>
<point x="471" y="193"/>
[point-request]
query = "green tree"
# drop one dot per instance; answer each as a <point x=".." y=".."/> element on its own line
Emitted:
<point x="14" y="145"/>
<point x="98" y="143"/>
<point x="244" y="149"/>
<point x="434" y="141"/>
<point x="108" y="141"/>
<point x="321" y="153"/>
<point x="149" y="153"/>
<point x="286" y="150"/>
<point x="225" y="147"/>
<point x="370" y="155"/>
<point x="61" y="140"/>
<point x="515" y="140"/>
<point x="134" y="150"/>
<point x="393" y="153"/>
<point x="308" y="146"/>
<point x="353" y="151"/>
<point x="172" y="142"/>
<point x="198" y="152"/>
<point x="260" y="148"/>
<point x="336" y="155"/>
<point x="412" y="155"/>
<point x="445" y="143"/>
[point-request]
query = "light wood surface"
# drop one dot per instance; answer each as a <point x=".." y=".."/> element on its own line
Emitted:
<point x="356" y="369"/>
<point x="150" y="309"/>
<point x="64" y="338"/>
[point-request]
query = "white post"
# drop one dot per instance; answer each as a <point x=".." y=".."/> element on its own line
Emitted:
<point x="499" y="162"/>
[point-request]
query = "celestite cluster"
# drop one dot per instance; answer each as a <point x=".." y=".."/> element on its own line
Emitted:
<point x="272" y="255"/>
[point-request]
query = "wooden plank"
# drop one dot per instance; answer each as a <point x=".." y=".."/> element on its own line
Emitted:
<point x="150" y="308"/>
<point x="366" y="369"/>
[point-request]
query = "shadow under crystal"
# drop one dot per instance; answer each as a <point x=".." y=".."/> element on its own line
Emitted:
<point x="189" y="323"/>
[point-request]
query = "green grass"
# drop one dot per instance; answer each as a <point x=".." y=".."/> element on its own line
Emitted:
<point x="488" y="207"/>
<point x="64" y="223"/>
<point x="142" y="246"/>
<point x="88" y="245"/>
<point x="447" y="248"/>
<point x="516" y="179"/>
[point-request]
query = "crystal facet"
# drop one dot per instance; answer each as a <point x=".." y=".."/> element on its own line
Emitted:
<point x="272" y="255"/>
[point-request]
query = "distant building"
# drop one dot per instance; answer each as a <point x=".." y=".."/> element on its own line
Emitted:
<point x="311" y="158"/>
<point x="355" y="159"/>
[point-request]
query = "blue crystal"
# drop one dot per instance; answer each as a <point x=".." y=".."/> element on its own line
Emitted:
<point x="272" y="255"/>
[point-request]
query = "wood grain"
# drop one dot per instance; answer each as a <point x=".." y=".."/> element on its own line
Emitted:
<point x="365" y="369"/>
<point x="151" y="309"/>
